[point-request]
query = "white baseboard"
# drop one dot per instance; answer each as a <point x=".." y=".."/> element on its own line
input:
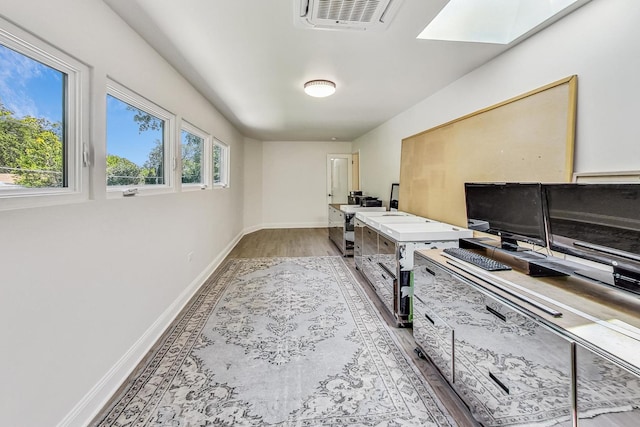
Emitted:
<point x="252" y="229"/>
<point x="91" y="404"/>
<point x="294" y="225"/>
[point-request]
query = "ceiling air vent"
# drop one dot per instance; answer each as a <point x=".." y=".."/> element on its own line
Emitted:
<point x="362" y="15"/>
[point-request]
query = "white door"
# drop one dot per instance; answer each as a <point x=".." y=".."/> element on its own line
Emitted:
<point x="338" y="178"/>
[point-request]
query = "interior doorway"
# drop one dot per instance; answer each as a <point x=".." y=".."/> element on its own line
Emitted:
<point x="355" y="161"/>
<point x="339" y="177"/>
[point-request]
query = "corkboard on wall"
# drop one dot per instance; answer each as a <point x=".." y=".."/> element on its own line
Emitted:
<point x="529" y="138"/>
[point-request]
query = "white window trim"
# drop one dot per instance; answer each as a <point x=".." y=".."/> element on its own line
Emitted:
<point x="128" y="96"/>
<point x="206" y="162"/>
<point x="226" y="162"/>
<point x="76" y="122"/>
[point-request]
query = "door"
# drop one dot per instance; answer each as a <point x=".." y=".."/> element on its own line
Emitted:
<point x="338" y="178"/>
<point x="355" y="161"/>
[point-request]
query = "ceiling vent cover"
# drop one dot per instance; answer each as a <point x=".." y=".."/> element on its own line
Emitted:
<point x="362" y="15"/>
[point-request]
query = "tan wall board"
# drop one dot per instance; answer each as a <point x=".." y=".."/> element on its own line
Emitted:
<point x="529" y="138"/>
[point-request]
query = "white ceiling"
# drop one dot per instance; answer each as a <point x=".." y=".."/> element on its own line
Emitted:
<point x="250" y="60"/>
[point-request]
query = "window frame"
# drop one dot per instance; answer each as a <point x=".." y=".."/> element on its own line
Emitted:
<point x="133" y="99"/>
<point x="75" y="122"/>
<point x="206" y="163"/>
<point x="224" y="164"/>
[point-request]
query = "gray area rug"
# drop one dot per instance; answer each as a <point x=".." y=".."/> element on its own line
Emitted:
<point x="278" y="342"/>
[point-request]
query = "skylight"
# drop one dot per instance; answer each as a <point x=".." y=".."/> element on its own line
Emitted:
<point x="494" y="21"/>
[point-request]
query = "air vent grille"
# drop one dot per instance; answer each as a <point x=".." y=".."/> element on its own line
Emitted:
<point x="347" y="11"/>
<point x="363" y="15"/>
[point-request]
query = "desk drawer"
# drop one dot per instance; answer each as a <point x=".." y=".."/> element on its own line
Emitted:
<point x="510" y="367"/>
<point x="434" y="337"/>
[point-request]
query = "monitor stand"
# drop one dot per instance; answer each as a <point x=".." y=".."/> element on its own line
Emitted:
<point x="478" y="243"/>
<point x="510" y="245"/>
<point x="491" y="243"/>
<point x="601" y="276"/>
<point x="532" y="263"/>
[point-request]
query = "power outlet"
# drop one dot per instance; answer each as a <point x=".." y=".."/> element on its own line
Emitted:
<point x="190" y="257"/>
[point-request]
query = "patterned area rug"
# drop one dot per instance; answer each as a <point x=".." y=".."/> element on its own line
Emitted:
<point x="278" y="342"/>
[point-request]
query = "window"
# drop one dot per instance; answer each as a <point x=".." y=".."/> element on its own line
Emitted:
<point x="195" y="159"/>
<point x="41" y="152"/>
<point x="139" y="143"/>
<point x="220" y="164"/>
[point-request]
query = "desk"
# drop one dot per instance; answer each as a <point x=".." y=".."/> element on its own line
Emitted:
<point x="514" y="362"/>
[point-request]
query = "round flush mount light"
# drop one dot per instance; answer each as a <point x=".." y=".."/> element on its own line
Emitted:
<point x="319" y="88"/>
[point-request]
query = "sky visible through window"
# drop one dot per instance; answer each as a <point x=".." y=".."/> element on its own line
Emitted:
<point x="123" y="133"/>
<point x="30" y="88"/>
<point x="32" y="142"/>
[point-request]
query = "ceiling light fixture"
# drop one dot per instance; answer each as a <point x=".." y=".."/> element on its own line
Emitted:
<point x="319" y="88"/>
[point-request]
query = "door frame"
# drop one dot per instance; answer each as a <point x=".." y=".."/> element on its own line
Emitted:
<point x="349" y="173"/>
<point x="355" y="162"/>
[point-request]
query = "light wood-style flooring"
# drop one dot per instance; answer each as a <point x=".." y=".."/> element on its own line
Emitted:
<point x="300" y="242"/>
<point x="286" y="242"/>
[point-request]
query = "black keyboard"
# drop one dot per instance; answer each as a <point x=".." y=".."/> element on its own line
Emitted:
<point x="478" y="260"/>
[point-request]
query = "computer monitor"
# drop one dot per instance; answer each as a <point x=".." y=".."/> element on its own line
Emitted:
<point x="598" y="222"/>
<point x="513" y="211"/>
<point x="393" y="199"/>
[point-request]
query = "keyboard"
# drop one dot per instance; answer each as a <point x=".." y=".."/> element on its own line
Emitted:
<point x="478" y="260"/>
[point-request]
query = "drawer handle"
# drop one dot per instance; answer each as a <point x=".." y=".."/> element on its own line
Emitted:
<point x="500" y="383"/>
<point x="497" y="314"/>
<point x="385" y="243"/>
<point x="429" y="319"/>
<point x="389" y="272"/>
<point x="383" y="276"/>
<point x="428" y="270"/>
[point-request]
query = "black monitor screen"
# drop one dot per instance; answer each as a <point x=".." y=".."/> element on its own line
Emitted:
<point x="513" y="211"/>
<point x="595" y="221"/>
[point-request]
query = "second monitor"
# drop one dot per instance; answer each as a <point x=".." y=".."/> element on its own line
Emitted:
<point x="513" y="211"/>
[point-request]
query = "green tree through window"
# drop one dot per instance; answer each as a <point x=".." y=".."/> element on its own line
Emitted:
<point x="31" y="151"/>
<point x="32" y="144"/>
<point x="135" y="145"/>
<point x="192" y="147"/>
<point x="220" y="164"/>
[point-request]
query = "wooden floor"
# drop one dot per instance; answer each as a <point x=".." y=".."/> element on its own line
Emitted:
<point x="300" y="242"/>
<point x="293" y="242"/>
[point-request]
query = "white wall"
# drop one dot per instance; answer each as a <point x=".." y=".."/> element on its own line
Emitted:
<point x="285" y="183"/>
<point x="82" y="284"/>
<point x="252" y="184"/>
<point x="294" y="182"/>
<point x="598" y="42"/>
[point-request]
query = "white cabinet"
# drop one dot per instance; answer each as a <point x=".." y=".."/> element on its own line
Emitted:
<point x="507" y="367"/>
<point x="369" y="245"/>
<point x="379" y="269"/>
<point x="434" y="336"/>
<point x="358" y="243"/>
<point x="515" y="361"/>
<point x="387" y="263"/>
<point x="606" y="393"/>
<point x="386" y="268"/>
<point x="342" y="225"/>
<point x="341" y="229"/>
<point x="510" y="368"/>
